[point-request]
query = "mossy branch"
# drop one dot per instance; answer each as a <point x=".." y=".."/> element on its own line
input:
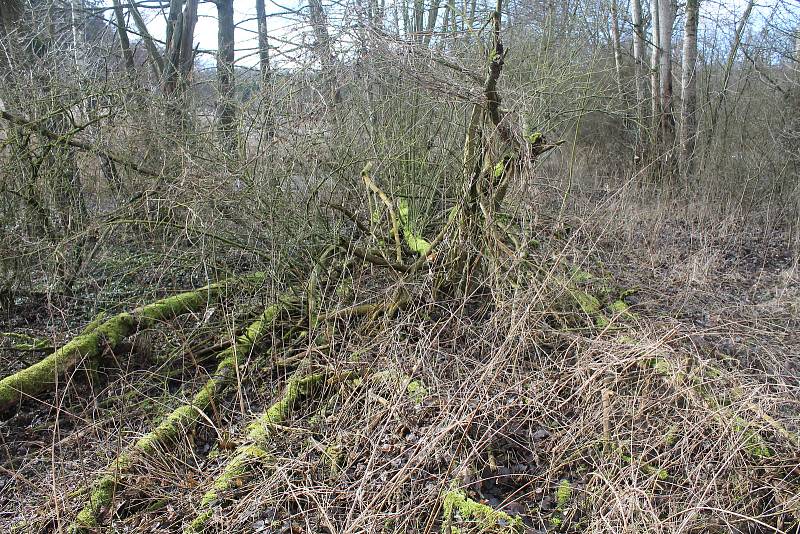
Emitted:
<point x="254" y="452"/>
<point x="389" y="206"/>
<point x="91" y="344"/>
<point x="177" y="423"/>
<point x="458" y="508"/>
<point x="415" y="241"/>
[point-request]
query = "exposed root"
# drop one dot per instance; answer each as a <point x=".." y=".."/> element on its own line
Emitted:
<point x="177" y="423"/>
<point x="90" y="345"/>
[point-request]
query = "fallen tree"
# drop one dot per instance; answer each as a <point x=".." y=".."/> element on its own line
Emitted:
<point x="255" y="449"/>
<point x="442" y="273"/>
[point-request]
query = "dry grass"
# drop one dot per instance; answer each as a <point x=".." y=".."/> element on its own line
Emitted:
<point x="657" y="421"/>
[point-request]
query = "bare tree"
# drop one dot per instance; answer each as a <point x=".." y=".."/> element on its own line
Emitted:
<point x="688" y="123"/>
<point x="639" y="69"/>
<point x="226" y="107"/>
<point x="729" y="63"/>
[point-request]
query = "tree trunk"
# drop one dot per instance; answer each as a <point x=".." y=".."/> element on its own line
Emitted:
<point x="226" y="107"/>
<point x="639" y="72"/>
<point x="666" y="22"/>
<point x="419" y="15"/>
<point x="263" y="44"/>
<point x="43" y="375"/>
<point x="180" y="54"/>
<point x="688" y="128"/>
<point x="655" y="70"/>
<point x="175" y="7"/>
<point x="124" y="42"/>
<point x="616" y="45"/>
<point x="187" y="39"/>
<point x="152" y="50"/>
<point x="433" y="18"/>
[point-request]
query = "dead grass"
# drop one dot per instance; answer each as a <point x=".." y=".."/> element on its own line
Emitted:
<point x="654" y="423"/>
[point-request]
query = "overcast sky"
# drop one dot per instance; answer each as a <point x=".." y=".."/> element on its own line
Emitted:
<point x="244" y="14"/>
<point x="284" y="27"/>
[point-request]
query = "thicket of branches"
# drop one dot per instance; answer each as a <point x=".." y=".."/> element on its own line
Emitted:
<point x="105" y="122"/>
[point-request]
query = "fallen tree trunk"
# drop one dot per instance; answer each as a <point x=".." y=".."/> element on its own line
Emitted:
<point x="254" y="452"/>
<point x="44" y="374"/>
<point x="177" y="423"/>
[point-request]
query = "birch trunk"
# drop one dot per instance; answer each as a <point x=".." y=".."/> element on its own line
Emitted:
<point x="615" y="43"/>
<point x="688" y="128"/>
<point x="666" y="21"/>
<point x="655" y="57"/>
<point x="640" y="67"/>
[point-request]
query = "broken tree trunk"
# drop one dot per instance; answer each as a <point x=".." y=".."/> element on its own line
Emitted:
<point x="45" y="374"/>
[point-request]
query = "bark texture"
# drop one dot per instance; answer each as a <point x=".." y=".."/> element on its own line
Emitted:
<point x="688" y="124"/>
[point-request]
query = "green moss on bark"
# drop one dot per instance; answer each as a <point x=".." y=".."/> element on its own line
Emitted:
<point x="90" y="345"/>
<point x="254" y="452"/>
<point x="177" y="423"/>
<point x="413" y="238"/>
<point x="458" y="508"/>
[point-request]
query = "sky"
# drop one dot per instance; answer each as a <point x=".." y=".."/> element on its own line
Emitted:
<point x="284" y="27"/>
<point x="244" y="14"/>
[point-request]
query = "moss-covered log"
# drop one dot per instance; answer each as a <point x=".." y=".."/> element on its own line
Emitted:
<point x="91" y="344"/>
<point x="177" y="423"/>
<point x="254" y="451"/>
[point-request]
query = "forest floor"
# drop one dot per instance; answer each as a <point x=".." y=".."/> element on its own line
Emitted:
<point x="661" y="421"/>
